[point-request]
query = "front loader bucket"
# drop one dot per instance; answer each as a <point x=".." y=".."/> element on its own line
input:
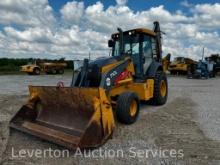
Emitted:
<point x="69" y="116"/>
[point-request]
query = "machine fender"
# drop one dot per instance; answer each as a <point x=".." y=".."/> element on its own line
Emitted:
<point x="36" y="67"/>
<point x="153" y="68"/>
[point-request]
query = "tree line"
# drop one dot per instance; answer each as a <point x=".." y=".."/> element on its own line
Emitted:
<point x="9" y="64"/>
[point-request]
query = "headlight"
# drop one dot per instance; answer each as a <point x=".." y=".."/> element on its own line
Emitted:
<point x="108" y="81"/>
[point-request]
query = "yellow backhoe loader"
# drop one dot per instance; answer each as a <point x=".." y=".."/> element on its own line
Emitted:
<point x="82" y="115"/>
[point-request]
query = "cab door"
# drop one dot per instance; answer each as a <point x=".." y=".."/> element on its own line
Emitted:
<point x="147" y="51"/>
<point x="132" y="47"/>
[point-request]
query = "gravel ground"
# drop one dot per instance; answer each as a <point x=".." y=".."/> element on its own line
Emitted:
<point x="189" y="122"/>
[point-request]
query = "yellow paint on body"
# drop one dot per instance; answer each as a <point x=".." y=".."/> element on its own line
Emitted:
<point x="28" y="68"/>
<point x="143" y="90"/>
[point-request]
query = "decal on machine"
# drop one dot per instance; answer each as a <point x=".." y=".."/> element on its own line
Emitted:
<point x="113" y="74"/>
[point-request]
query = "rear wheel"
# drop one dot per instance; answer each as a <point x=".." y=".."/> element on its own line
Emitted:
<point x="127" y="108"/>
<point x="60" y="71"/>
<point x="160" y="89"/>
<point x="54" y="71"/>
<point x="36" y="71"/>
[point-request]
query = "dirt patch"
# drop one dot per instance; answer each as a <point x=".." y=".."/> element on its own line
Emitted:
<point x="174" y="127"/>
<point x="8" y="108"/>
<point x="4" y="133"/>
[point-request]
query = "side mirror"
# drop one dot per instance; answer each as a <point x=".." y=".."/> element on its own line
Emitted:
<point x="111" y="43"/>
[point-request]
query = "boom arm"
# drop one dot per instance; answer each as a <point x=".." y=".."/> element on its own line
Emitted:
<point x="121" y="43"/>
<point x="158" y="40"/>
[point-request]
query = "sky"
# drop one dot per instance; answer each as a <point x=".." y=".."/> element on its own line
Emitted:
<point x="73" y="29"/>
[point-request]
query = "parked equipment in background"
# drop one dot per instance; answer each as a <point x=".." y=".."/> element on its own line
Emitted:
<point x="203" y="69"/>
<point x="180" y="65"/>
<point x="53" y="68"/>
<point x="82" y="115"/>
<point x="31" y="69"/>
<point x="215" y="58"/>
<point x="166" y="62"/>
<point x="46" y="67"/>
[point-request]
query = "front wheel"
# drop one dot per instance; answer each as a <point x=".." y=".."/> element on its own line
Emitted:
<point x="127" y="109"/>
<point x="160" y="89"/>
<point x="60" y="71"/>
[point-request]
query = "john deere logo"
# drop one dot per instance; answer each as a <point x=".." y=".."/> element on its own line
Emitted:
<point x="113" y="74"/>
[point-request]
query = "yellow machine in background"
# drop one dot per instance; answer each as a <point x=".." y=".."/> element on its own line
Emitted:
<point x="180" y="65"/>
<point x="31" y="69"/>
<point x="46" y="67"/>
<point x="82" y="115"/>
<point x="166" y="62"/>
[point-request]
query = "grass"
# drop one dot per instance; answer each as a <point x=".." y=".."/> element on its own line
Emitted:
<point x="17" y="72"/>
<point x="12" y="66"/>
<point x="9" y="69"/>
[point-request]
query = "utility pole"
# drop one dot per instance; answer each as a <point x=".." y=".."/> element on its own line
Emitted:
<point x="203" y="52"/>
<point x="89" y="56"/>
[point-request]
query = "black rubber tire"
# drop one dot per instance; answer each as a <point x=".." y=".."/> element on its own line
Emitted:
<point x="172" y="72"/>
<point x="60" y="71"/>
<point x="189" y="70"/>
<point x="53" y="71"/>
<point x="212" y="74"/>
<point x="157" y="98"/>
<point x="123" y="108"/>
<point x="36" y="71"/>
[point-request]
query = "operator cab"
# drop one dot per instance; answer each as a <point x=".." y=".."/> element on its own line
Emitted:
<point x="139" y="44"/>
<point x="179" y="60"/>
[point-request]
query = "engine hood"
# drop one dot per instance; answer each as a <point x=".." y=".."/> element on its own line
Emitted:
<point x="102" y="61"/>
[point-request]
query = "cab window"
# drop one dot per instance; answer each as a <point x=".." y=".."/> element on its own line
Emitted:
<point x="131" y="45"/>
<point x="116" y="49"/>
<point x="147" y="47"/>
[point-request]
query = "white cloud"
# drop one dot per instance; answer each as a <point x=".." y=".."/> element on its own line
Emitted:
<point x="96" y="8"/>
<point x="159" y="13"/>
<point x="185" y="3"/>
<point x="64" y="42"/>
<point x="121" y="2"/>
<point x="26" y="12"/>
<point x="207" y="15"/>
<point x="72" y="11"/>
<point x="82" y="29"/>
<point x="30" y="35"/>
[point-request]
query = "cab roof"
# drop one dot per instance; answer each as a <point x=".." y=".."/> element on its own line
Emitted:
<point x="138" y="30"/>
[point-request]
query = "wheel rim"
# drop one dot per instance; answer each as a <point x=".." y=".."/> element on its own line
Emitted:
<point x="163" y="88"/>
<point x="133" y="108"/>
